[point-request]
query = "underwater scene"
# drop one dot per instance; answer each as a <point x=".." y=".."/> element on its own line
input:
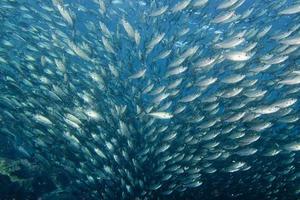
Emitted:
<point x="149" y="99"/>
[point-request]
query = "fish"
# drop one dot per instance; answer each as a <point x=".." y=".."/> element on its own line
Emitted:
<point x="222" y="17"/>
<point x="181" y="5"/>
<point x="238" y="56"/>
<point x="230" y="43"/>
<point x="183" y="99"/>
<point x="161" y="115"/>
<point x="138" y="74"/>
<point x="154" y="41"/>
<point x="63" y="11"/>
<point x="159" y="11"/>
<point x="227" y="4"/>
<point x="293" y="9"/>
<point x="128" y="28"/>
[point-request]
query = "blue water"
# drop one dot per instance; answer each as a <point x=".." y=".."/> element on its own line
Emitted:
<point x="57" y="157"/>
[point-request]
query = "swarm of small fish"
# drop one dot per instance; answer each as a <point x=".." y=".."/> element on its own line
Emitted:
<point x="138" y="99"/>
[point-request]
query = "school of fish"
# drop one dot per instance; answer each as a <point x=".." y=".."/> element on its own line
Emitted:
<point x="150" y="99"/>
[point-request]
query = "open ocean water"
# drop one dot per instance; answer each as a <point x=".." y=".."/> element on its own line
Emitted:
<point x="149" y="99"/>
